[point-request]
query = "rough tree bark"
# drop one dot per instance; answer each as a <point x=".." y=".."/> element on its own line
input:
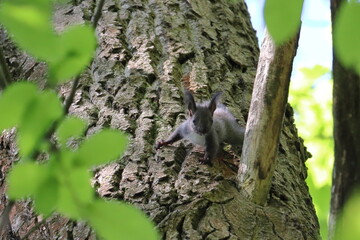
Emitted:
<point x="266" y="114"/>
<point x="148" y="51"/>
<point x="346" y="112"/>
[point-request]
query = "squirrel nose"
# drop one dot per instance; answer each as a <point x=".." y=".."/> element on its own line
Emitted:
<point x="202" y="130"/>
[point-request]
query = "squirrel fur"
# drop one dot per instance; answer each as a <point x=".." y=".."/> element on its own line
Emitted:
<point x="209" y="124"/>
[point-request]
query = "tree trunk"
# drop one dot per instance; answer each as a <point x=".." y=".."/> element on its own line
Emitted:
<point x="266" y="114"/>
<point x="148" y="52"/>
<point x="346" y="111"/>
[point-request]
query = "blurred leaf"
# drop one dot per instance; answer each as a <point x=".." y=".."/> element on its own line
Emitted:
<point x="116" y="221"/>
<point x="282" y="18"/>
<point x="101" y="148"/>
<point x="312" y="101"/>
<point x="67" y="159"/>
<point x="24" y="179"/>
<point x="44" y="147"/>
<point x="75" y="191"/>
<point x="70" y="127"/>
<point x="78" y="44"/>
<point x="14" y="102"/>
<point x="61" y="1"/>
<point x="66" y="203"/>
<point x="348" y="225"/>
<point x="347" y="35"/>
<point x="79" y="180"/>
<point x="30" y="26"/>
<point x="321" y="202"/>
<point x="38" y="118"/>
<point x="46" y="197"/>
<point x="315" y="72"/>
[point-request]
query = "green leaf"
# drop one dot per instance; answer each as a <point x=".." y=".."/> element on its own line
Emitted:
<point x="47" y="196"/>
<point x="30" y="26"/>
<point x="116" y="221"/>
<point x="347" y="35"/>
<point x="66" y="204"/>
<point x="282" y="18"/>
<point x="14" y="102"/>
<point x="24" y="179"/>
<point x="70" y="127"/>
<point x="77" y="44"/>
<point x="79" y="180"/>
<point x="75" y="191"/>
<point x="312" y="102"/>
<point x="348" y="226"/>
<point x="43" y="111"/>
<point x="315" y="72"/>
<point x="67" y="159"/>
<point x="101" y="148"/>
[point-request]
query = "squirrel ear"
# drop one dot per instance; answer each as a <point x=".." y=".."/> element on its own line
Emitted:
<point x="213" y="102"/>
<point x="190" y="102"/>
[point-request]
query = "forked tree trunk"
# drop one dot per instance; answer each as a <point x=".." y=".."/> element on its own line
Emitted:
<point x="149" y="51"/>
<point x="346" y="112"/>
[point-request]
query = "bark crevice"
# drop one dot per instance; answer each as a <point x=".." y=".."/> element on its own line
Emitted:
<point x="148" y="51"/>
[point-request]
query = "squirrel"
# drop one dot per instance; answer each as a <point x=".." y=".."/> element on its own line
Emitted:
<point x="209" y="124"/>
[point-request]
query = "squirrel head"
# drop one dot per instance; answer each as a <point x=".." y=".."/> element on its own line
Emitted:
<point x="201" y="115"/>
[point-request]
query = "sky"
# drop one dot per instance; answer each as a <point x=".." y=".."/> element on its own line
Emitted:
<point x="315" y="37"/>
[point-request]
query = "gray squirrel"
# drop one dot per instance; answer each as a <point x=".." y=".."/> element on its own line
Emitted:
<point x="208" y="124"/>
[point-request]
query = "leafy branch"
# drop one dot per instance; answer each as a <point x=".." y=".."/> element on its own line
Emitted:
<point x="95" y="21"/>
<point x="62" y="183"/>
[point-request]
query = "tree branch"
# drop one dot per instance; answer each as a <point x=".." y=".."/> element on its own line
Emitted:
<point x="4" y="219"/>
<point x="5" y="77"/>
<point x="95" y="20"/>
<point x="346" y="98"/>
<point x="27" y="235"/>
<point x="3" y="83"/>
<point x="98" y="13"/>
<point x="265" y="119"/>
<point x="70" y="99"/>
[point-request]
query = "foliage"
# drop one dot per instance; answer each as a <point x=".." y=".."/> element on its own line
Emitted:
<point x="311" y="98"/>
<point x="347" y="34"/>
<point x="282" y="18"/>
<point x="67" y="54"/>
<point x="348" y="224"/>
<point x="62" y="182"/>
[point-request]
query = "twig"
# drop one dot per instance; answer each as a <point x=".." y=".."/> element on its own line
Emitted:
<point x="5" y="215"/>
<point x="95" y="21"/>
<point x="5" y="77"/>
<point x="2" y="79"/>
<point x="27" y="235"/>
<point x="4" y="219"/>
<point x="98" y="13"/>
<point x="70" y="99"/>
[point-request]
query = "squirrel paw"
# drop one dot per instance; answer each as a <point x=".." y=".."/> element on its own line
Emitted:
<point x="159" y="144"/>
<point x="206" y="159"/>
